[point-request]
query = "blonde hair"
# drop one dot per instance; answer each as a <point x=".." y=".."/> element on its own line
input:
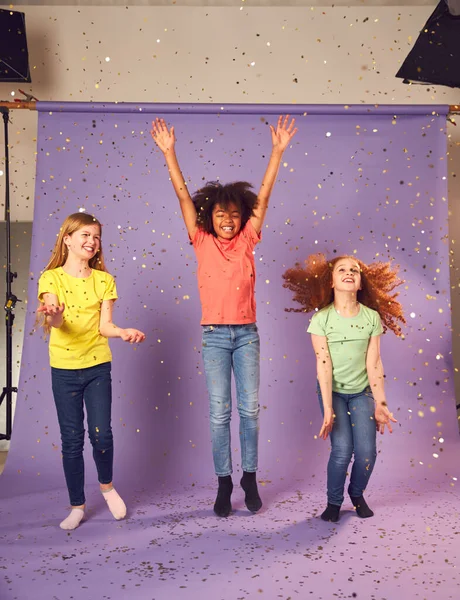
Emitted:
<point x="60" y="252"/>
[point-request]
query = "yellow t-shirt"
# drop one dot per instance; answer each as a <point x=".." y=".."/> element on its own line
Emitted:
<point x="77" y="344"/>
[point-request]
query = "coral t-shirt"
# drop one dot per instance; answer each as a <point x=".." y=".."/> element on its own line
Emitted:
<point x="226" y="277"/>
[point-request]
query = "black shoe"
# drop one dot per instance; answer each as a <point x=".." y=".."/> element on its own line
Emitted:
<point x="223" y="505"/>
<point x="362" y="509"/>
<point x="332" y="513"/>
<point x="251" y="493"/>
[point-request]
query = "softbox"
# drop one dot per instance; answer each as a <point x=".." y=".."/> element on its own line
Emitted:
<point x="435" y="57"/>
<point x="14" y="57"/>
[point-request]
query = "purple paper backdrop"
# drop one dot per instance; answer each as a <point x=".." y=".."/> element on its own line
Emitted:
<point x="356" y="180"/>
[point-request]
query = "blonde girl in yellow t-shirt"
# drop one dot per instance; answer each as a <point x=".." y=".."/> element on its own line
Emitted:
<point x="76" y="295"/>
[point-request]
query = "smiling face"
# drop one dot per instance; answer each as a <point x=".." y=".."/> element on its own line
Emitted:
<point x="85" y="242"/>
<point x="346" y="275"/>
<point x="226" y="221"/>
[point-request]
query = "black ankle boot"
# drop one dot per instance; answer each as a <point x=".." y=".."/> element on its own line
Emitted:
<point x="251" y="493"/>
<point x="332" y="513"/>
<point x="223" y="505"/>
<point x="362" y="509"/>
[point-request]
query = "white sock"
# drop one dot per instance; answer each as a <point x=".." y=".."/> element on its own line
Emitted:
<point x="73" y="520"/>
<point x="115" y="503"/>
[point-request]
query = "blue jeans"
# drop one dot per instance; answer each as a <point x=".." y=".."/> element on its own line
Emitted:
<point x="353" y="432"/>
<point x="237" y="347"/>
<point x="72" y="387"/>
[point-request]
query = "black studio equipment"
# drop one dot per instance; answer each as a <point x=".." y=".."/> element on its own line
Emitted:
<point x="435" y="57"/>
<point x="14" y="57"/>
<point x="14" y="67"/>
<point x="454" y="7"/>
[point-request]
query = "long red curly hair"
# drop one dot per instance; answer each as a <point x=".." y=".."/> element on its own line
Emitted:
<point x="312" y="287"/>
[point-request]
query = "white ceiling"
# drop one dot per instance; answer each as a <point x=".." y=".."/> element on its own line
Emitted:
<point x="239" y="3"/>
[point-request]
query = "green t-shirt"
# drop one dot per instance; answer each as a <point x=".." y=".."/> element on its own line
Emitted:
<point x="347" y="339"/>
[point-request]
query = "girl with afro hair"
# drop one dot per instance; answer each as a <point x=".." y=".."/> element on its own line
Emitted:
<point x="224" y="223"/>
<point x="354" y="305"/>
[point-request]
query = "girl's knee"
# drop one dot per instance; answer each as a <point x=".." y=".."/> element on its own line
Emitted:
<point x="102" y="441"/>
<point x="72" y="441"/>
<point x="221" y="414"/>
<point x="249" y="412"/>
<point x="248" y="405"/>
<point x="342" y="454"/>
<point x="366" y="456"/>
<point x="365" y="451"/>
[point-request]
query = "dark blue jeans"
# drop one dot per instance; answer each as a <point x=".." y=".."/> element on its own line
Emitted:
<point x="72" y="388"/>
<point x="353" y="433"/>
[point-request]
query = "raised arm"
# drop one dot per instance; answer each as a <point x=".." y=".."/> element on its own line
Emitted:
<point x="166" y="142"/>
<point x="374" y="367"/>
<point x="281" y="138"/>
<point x="324" y="374"/>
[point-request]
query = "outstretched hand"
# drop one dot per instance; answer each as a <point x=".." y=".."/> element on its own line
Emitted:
<point x="51" y="310"/>
<point x="383" y="418"/>
<point x="133" y="336"/>
<point x="284" y="132"/>
<point x="163" y="137"/>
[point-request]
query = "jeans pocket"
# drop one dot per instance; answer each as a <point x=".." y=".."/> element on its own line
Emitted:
<point x="208" y="328"/>
<point x="368" y="392"/>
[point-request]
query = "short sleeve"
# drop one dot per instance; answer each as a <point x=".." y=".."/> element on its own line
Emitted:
<point x="47" y="285"/>
<point x="317" y="325"/>
<point x="198" y="238"/>
<point x="110" y="292"/>
<point x="251" y="234"/>
<point x="377" y="328"/>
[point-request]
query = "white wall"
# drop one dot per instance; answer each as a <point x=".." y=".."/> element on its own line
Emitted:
<point x="205" y="54"/>
<point x="302" y="55"/>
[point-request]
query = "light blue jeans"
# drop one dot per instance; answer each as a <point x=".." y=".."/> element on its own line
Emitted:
<point x="353" y="433"/>
<point x="237" y="347"/>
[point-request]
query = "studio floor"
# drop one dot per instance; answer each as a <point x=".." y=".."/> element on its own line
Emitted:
<point x="172" y="546"/>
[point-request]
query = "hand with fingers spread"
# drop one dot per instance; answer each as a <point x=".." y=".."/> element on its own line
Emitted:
<point x="51" y="310"/>
<point x="283" y="134"/>
<point x="133" y="336"/>
<point x="163" y="137"/>
<point x="328" y="423"/>
<point x="53" y="313"/>
<point x="383" y="417"/>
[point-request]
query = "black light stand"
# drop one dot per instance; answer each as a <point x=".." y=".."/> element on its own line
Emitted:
<point x="11" y="299"/>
